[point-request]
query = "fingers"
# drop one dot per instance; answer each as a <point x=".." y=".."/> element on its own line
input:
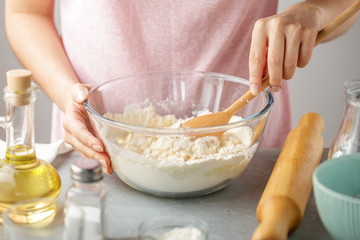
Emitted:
<point x="80" y="92"/>
<point x="275" y="58"/>
<point x="306" y="47"/>
<point x="87" y="152"/>
<point x="280" y="44"/>
<point x="257" y="56"/>
<point x="291" y="54"/>
<point x="78" y="130"/>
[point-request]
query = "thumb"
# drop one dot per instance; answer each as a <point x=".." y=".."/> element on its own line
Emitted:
<point x="80" y="92"/>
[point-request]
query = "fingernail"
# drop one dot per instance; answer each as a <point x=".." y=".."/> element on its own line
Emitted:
<point x="254" y="89"/>
<point x="81" y="95"/>
<point x="103" y="162"/>
<point x="275" y="88"/>
<point x="98" y="148"/>
<point x="105" y="171"/>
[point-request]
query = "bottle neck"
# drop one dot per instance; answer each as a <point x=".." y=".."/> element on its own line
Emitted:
<point x="19" y="127"/>
<point x="352" y="93"/>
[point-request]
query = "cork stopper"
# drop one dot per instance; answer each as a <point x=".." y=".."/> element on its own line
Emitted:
<point x="18" y="79"/>
<point x="19" y="87"/>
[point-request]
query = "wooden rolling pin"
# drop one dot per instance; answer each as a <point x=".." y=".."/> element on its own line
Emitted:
<point x="283" y="202"/>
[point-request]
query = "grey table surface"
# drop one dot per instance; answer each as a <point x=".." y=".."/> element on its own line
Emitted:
<point x="230" y="212"/>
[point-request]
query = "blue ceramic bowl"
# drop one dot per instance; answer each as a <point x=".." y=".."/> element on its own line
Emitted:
<point x="336" y="189"/>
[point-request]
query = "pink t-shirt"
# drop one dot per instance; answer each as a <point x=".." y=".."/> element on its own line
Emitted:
<point x="108" y="39"/>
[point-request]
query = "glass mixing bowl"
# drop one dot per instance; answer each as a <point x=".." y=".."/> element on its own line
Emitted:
<point x="138" y="119"/>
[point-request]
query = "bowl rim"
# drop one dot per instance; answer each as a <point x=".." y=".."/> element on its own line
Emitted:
<point x="322" y="187"/>
<point x="189" y="131"/>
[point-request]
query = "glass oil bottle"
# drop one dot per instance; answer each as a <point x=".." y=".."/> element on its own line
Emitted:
<point x="23" y="177"/>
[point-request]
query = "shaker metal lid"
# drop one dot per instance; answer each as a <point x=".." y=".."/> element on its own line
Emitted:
<point x="86" y="170"/>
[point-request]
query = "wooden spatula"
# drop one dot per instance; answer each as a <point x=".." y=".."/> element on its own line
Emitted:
<point x="223" y="117"/>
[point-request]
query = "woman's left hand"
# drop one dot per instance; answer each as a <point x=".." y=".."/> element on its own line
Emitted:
<point x="78" y="131"/>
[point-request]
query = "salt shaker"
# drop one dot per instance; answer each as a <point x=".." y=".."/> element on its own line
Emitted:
<point x="347" y="140"/>
<point x="88" y="194"/>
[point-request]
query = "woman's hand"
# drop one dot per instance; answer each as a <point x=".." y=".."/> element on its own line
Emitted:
<point x="78" y="130"/>
<point x="282" y="42"/>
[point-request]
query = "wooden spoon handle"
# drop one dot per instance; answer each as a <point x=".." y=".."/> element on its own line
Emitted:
<point x="338" y="21"/>
<point x="326" y="31"/>
<point x="245" y="98"/>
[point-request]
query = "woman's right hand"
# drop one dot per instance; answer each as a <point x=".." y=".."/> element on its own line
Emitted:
<point x="78" y="131"/>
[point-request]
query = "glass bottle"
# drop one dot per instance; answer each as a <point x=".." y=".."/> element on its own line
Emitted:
<point x="88" y="194"/>
<point x="347" y="140"/>
<point x="23" y="176"/>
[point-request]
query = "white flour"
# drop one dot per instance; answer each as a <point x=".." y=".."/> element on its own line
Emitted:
<point x="175" y="164"/>
<point x="183" y="233"/>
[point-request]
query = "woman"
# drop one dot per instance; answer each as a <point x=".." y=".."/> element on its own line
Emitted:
<point x="102" y="40"/>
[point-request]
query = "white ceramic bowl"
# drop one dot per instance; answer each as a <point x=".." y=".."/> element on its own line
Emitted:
<point x="129" y="114"/>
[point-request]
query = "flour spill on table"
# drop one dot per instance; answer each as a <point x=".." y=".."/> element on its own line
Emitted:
<point x="183" y="233"/>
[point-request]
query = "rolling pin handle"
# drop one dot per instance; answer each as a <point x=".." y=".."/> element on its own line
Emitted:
<point x="278" y="216"/>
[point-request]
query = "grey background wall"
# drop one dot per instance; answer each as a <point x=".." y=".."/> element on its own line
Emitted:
<point x="317" y="87"/>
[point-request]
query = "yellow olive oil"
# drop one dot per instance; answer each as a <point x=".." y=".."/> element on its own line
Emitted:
<point x="24" y="178"/>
